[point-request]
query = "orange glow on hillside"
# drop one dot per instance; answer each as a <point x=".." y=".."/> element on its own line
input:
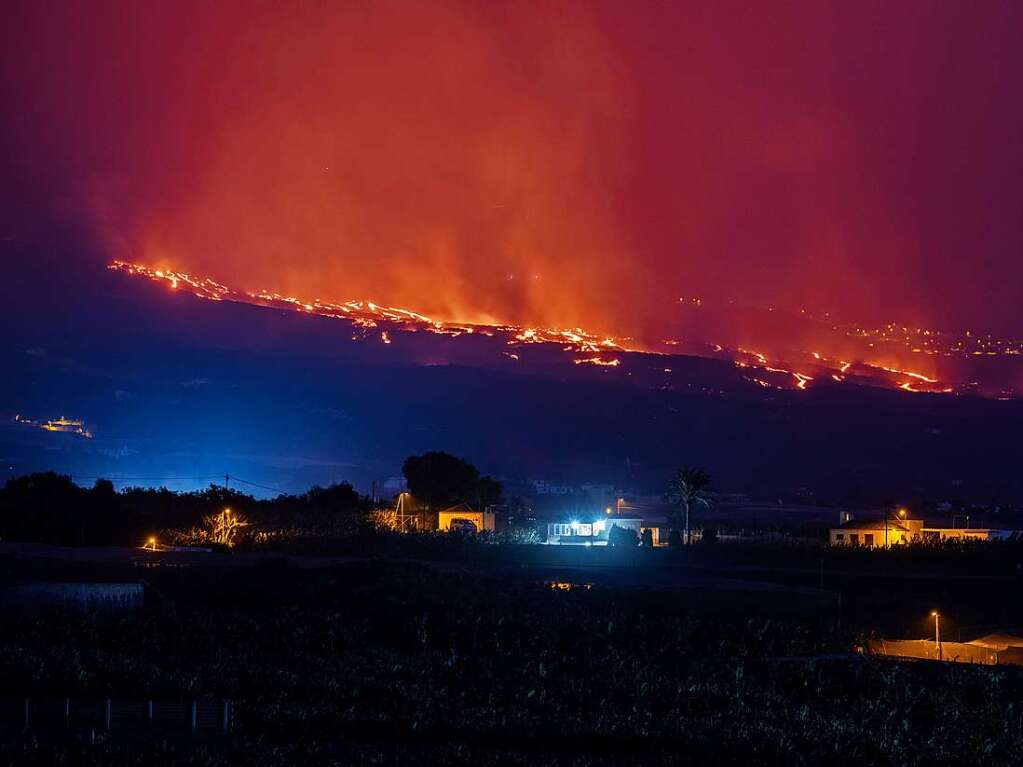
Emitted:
<point x="550" y="166"/>
<point x="766" y="370"/>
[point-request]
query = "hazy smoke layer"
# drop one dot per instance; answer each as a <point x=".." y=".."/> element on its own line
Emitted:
<point x="561" y="162"/>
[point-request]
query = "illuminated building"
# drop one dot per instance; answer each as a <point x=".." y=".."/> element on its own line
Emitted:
<point x="899" y="531"/>
<point x="463" y="518"/>
<point x="592" y="530"/>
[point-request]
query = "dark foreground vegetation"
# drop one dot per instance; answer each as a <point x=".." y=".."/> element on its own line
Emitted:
<point x="47" y="507"/>
<point x="384" y="663"/>
<point x="431" y="649"/>
<point x="50" y="508"/>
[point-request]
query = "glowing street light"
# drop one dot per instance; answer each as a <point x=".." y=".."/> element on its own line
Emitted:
<point x="151" y="543"/>
<point x="937" y="631"/>
<point x="901" y="513"/>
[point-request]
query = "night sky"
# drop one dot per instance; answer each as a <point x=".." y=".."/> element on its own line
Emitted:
<point x="554" y="164"/>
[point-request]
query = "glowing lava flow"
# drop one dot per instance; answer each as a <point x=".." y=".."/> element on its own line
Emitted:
<point x="366" y="314"/>
<point x="387" y="320"/>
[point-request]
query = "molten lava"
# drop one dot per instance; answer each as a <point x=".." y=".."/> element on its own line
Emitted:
<point x="799" y="372"/>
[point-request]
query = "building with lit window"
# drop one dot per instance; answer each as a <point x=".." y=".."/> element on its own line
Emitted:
<point x="464" y="519"/>
<point x="596" y="530"/>
<point x="898" y="530"/>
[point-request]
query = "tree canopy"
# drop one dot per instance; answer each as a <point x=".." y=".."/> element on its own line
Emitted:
<point x="687" y="489"/>
<point x="439" y="480"/>
<point x="50" y="508"/>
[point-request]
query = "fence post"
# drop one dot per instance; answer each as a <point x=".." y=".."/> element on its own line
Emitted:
<point x="227" y="716"/>
<point x="107" y="718"/>
<point x="195" y="715"/>
<point x="67" y="712"/>
<point x="149" y="709"/>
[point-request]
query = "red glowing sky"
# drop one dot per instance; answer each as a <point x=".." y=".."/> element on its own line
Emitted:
<point x="549" y="162"/>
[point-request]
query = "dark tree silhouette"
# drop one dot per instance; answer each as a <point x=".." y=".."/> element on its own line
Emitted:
<point x="440" y="480"/>
<point x="688" y="489"/>
<point x="622" y="536"/>
<point x="51" y="508"/>
<point x="337" y="498"/>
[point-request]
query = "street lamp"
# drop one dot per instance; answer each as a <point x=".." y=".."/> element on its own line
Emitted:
<point x="902" y="516"/>
<point x="937" y="631"/>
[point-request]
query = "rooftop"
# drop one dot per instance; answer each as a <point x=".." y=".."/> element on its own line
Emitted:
<point x="878" y="524"/>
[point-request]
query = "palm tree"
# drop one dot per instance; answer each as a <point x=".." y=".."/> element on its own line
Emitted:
<point x="689" y="488"/>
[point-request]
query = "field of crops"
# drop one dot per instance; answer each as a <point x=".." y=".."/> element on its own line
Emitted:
<point x="385" y="663"/>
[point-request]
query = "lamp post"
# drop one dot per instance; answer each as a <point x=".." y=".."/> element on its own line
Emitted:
<point x="937" y="632"/>
<point x="902" y="516"/>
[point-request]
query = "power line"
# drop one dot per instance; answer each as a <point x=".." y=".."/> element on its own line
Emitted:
<point x="262" y="487"/>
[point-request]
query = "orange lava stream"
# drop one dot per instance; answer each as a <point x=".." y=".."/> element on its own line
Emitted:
<point x="367" y="315"/>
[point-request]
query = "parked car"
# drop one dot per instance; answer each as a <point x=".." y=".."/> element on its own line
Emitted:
<point x="462" y="526"/>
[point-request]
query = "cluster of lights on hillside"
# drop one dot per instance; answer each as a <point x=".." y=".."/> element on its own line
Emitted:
<point x="606" y="352"/>
<point x="60" y="425"/>
<point x="937" y="342"/>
